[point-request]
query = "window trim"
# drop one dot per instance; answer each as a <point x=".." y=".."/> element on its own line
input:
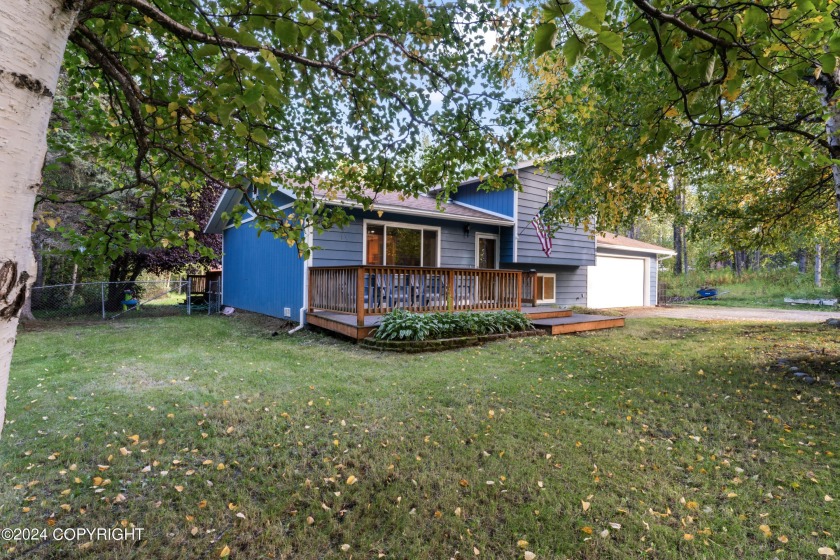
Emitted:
<point x="365" y="224"/>
<point x="553" y="295"/>
<point x="481" y="235"/>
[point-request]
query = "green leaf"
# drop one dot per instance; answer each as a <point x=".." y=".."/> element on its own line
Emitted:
<point x="259" y="136"/>
<point x="544" y="38"/>
<point x="598" y="8"/>
<point x="556" y="8"/>
<point x="612" y="41"/>
<point x="287" y="31"/>
<point x="310" y="6"/>
<point x="834" y="42"/>
<point x="828" y="63"/>
<point x="572" y="50"/>
<point x="206" y="50"/>
<point x="225" y="111"/>
<point x="590" y="21"/>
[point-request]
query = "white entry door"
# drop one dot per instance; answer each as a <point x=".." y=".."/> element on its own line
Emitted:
<point x="616" y="282"/>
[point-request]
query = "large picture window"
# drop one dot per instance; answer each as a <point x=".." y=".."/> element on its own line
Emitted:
<point x="397" y="245"/>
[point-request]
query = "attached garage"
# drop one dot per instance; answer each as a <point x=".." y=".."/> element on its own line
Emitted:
<point x="616" y="282"/>
<point x="625" y="273"/>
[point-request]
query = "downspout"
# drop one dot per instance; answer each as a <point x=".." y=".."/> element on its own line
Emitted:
<point x="302" y="313"/>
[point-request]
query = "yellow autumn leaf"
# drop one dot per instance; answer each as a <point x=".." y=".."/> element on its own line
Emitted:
<point x="587" y="530"/>
<point x="672" y="112"/>
<point x="688" y="537"/>
<point x="351" y="480"/>
<point x="783" y="539"/>
<point x="522" y="543"/>
<point x="225" y="552"/>
<point x="65" y="507"/>
<point x="766" y="530"/>
<point x="585" y="505"/>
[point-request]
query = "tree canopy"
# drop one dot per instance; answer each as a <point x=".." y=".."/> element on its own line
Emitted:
<point x="174" y="94"/>
<point x="636" y="92"/>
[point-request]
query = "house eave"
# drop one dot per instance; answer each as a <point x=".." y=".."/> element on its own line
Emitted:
<point x="424" y="213"/>
<point x="626" y="249"/>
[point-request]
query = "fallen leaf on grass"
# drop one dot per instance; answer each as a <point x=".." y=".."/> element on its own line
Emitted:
<point x="587" y="530"/>
<point x="825" y="551"/>
<point x="783" y="539"/>
<point x="585" y="505"/>
<point x="351" y="480"/>
<point x="225" y="552"/>
<point x="766" y="530"/>
<point x="529" y="555"/>
<point x="345" y="547"/>
<point x="522" y="543"/>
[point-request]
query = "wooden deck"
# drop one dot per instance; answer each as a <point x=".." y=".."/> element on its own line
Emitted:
<point x="576" y="323"/>
<point x="552" y="320"/>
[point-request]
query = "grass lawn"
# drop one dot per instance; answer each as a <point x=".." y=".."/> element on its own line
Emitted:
<point x="755" y="289"/>
<point x="666" y="439"/>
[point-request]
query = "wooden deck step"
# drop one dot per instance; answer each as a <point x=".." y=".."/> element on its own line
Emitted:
<point x="535" y="313"/>
<point x="577" y="323"/>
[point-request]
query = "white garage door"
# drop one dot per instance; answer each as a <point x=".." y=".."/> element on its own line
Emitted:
<point x="616" y="282"/>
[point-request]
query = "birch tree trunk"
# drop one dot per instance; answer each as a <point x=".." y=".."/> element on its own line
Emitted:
<point x="818" y="266"/>
<point x="33" y="36"/>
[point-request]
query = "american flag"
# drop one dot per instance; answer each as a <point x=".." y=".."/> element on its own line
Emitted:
<point x="544" y="233"/>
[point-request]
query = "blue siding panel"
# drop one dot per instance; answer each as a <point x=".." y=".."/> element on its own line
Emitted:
<point x="571" y="246"/>
<point x="261" y="274"/>
<point x="500" y="202"/>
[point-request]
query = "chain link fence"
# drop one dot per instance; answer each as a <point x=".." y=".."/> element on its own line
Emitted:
<point x="112" y="300"/>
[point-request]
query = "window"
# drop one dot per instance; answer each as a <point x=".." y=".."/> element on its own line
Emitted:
<point x="545" y="288"/>
<point x="486" y="251"/>
<point x="398" y="245"/>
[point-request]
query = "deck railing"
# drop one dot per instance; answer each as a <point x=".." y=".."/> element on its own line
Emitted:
<point x="529" y="288"/>
<point x="376" y="290"/>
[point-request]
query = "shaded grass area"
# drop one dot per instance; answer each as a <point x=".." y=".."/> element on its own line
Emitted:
<point x="754" y="288"/>
<point x="665" y="439"/>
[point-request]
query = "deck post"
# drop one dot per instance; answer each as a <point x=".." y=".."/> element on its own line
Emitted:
<point x="450" y="291"/>
<point x="360" y="296"/>
<point x="519" y="290"/>
<point x="309" y="290"/>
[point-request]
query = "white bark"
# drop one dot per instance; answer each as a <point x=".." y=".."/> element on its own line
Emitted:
<point x="818" y="266"/>
<point x="832" y="129"/>
<point x="33" y="35"/>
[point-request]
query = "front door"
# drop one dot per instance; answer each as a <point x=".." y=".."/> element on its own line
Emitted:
<point x="487" y="247"/>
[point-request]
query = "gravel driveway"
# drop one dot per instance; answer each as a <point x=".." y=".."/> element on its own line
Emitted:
<point x="732" y="314"/>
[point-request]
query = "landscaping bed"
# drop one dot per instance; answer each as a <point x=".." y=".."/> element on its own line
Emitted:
<point x="436" y="345"/>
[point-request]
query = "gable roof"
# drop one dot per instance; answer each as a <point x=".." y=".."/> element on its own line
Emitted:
<point x="422" y="205"/>
<point x="396" y="203"/>
<point x="620" y="242"/>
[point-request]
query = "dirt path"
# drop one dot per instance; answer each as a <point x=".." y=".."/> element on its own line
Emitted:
<point x="733" y="314"/>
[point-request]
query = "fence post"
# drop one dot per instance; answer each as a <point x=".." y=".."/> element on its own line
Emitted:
<point x="189" y="295"/>
<point x="102" y="290"/>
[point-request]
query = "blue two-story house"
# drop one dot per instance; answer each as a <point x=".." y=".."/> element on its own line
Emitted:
<point x="480" y="250"/>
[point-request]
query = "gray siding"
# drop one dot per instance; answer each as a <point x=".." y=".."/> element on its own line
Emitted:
<point x="653" y="268"/>
<point x="570" y="282"/>
<point x="572" y="246"/>
<point x="341" y="247"/>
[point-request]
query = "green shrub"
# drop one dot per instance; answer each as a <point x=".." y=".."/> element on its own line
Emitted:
<point x="405" y="325"/>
